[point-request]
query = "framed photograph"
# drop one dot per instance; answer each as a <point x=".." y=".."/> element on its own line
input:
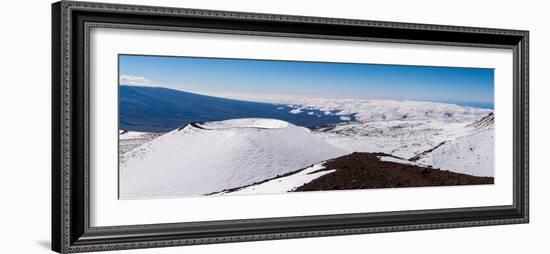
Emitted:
<point x="182" y="126"/>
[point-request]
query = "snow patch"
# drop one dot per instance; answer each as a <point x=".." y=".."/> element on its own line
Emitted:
<point x="283" y="184"/>
<point x="397" y="160"/>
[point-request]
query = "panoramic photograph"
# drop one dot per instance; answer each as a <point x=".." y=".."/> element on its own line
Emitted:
<point x="197" y="126"/>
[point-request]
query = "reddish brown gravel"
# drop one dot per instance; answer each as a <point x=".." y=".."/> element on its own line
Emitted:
<point x="367" y="171"/>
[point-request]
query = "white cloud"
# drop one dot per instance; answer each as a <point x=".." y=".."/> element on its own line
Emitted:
<point x="134" y="80"/>
<point x="345" y="118"/>
<point x="295" y="111"/>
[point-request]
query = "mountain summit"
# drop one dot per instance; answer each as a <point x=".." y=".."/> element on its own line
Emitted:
<point x="202" y="158"/>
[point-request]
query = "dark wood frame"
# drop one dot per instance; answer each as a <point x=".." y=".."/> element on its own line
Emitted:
<point x="71" y="22"/>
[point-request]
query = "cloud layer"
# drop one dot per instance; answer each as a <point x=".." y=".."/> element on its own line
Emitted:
<point x="134" y="80"/>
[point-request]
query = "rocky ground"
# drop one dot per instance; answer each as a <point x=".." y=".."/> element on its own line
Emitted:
<point x="368" y="171"/>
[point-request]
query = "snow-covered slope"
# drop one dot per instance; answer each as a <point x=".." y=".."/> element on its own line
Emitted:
<point x="129" y="140"/>
<point x="398" y="127"/>
<point x="487" y="121"/>
<point x="402" y="138"/>
<point x="204" y="158"/>
<point x="472" y="155"/>
<point x="463" y="146"/>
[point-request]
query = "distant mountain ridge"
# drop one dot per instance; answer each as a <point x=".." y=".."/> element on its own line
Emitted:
<point x="157" y="109"/>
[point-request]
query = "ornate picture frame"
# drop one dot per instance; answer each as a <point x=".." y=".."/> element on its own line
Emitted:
<point x="71" y="197"/>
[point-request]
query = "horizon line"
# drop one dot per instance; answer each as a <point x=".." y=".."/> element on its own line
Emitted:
<point x="480" y="104"/>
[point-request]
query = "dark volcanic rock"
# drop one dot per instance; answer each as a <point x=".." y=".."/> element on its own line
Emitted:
<point x="367" y="171"/>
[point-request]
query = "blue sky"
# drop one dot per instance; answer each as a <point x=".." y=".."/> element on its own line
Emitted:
<point x="310" y="79"/>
